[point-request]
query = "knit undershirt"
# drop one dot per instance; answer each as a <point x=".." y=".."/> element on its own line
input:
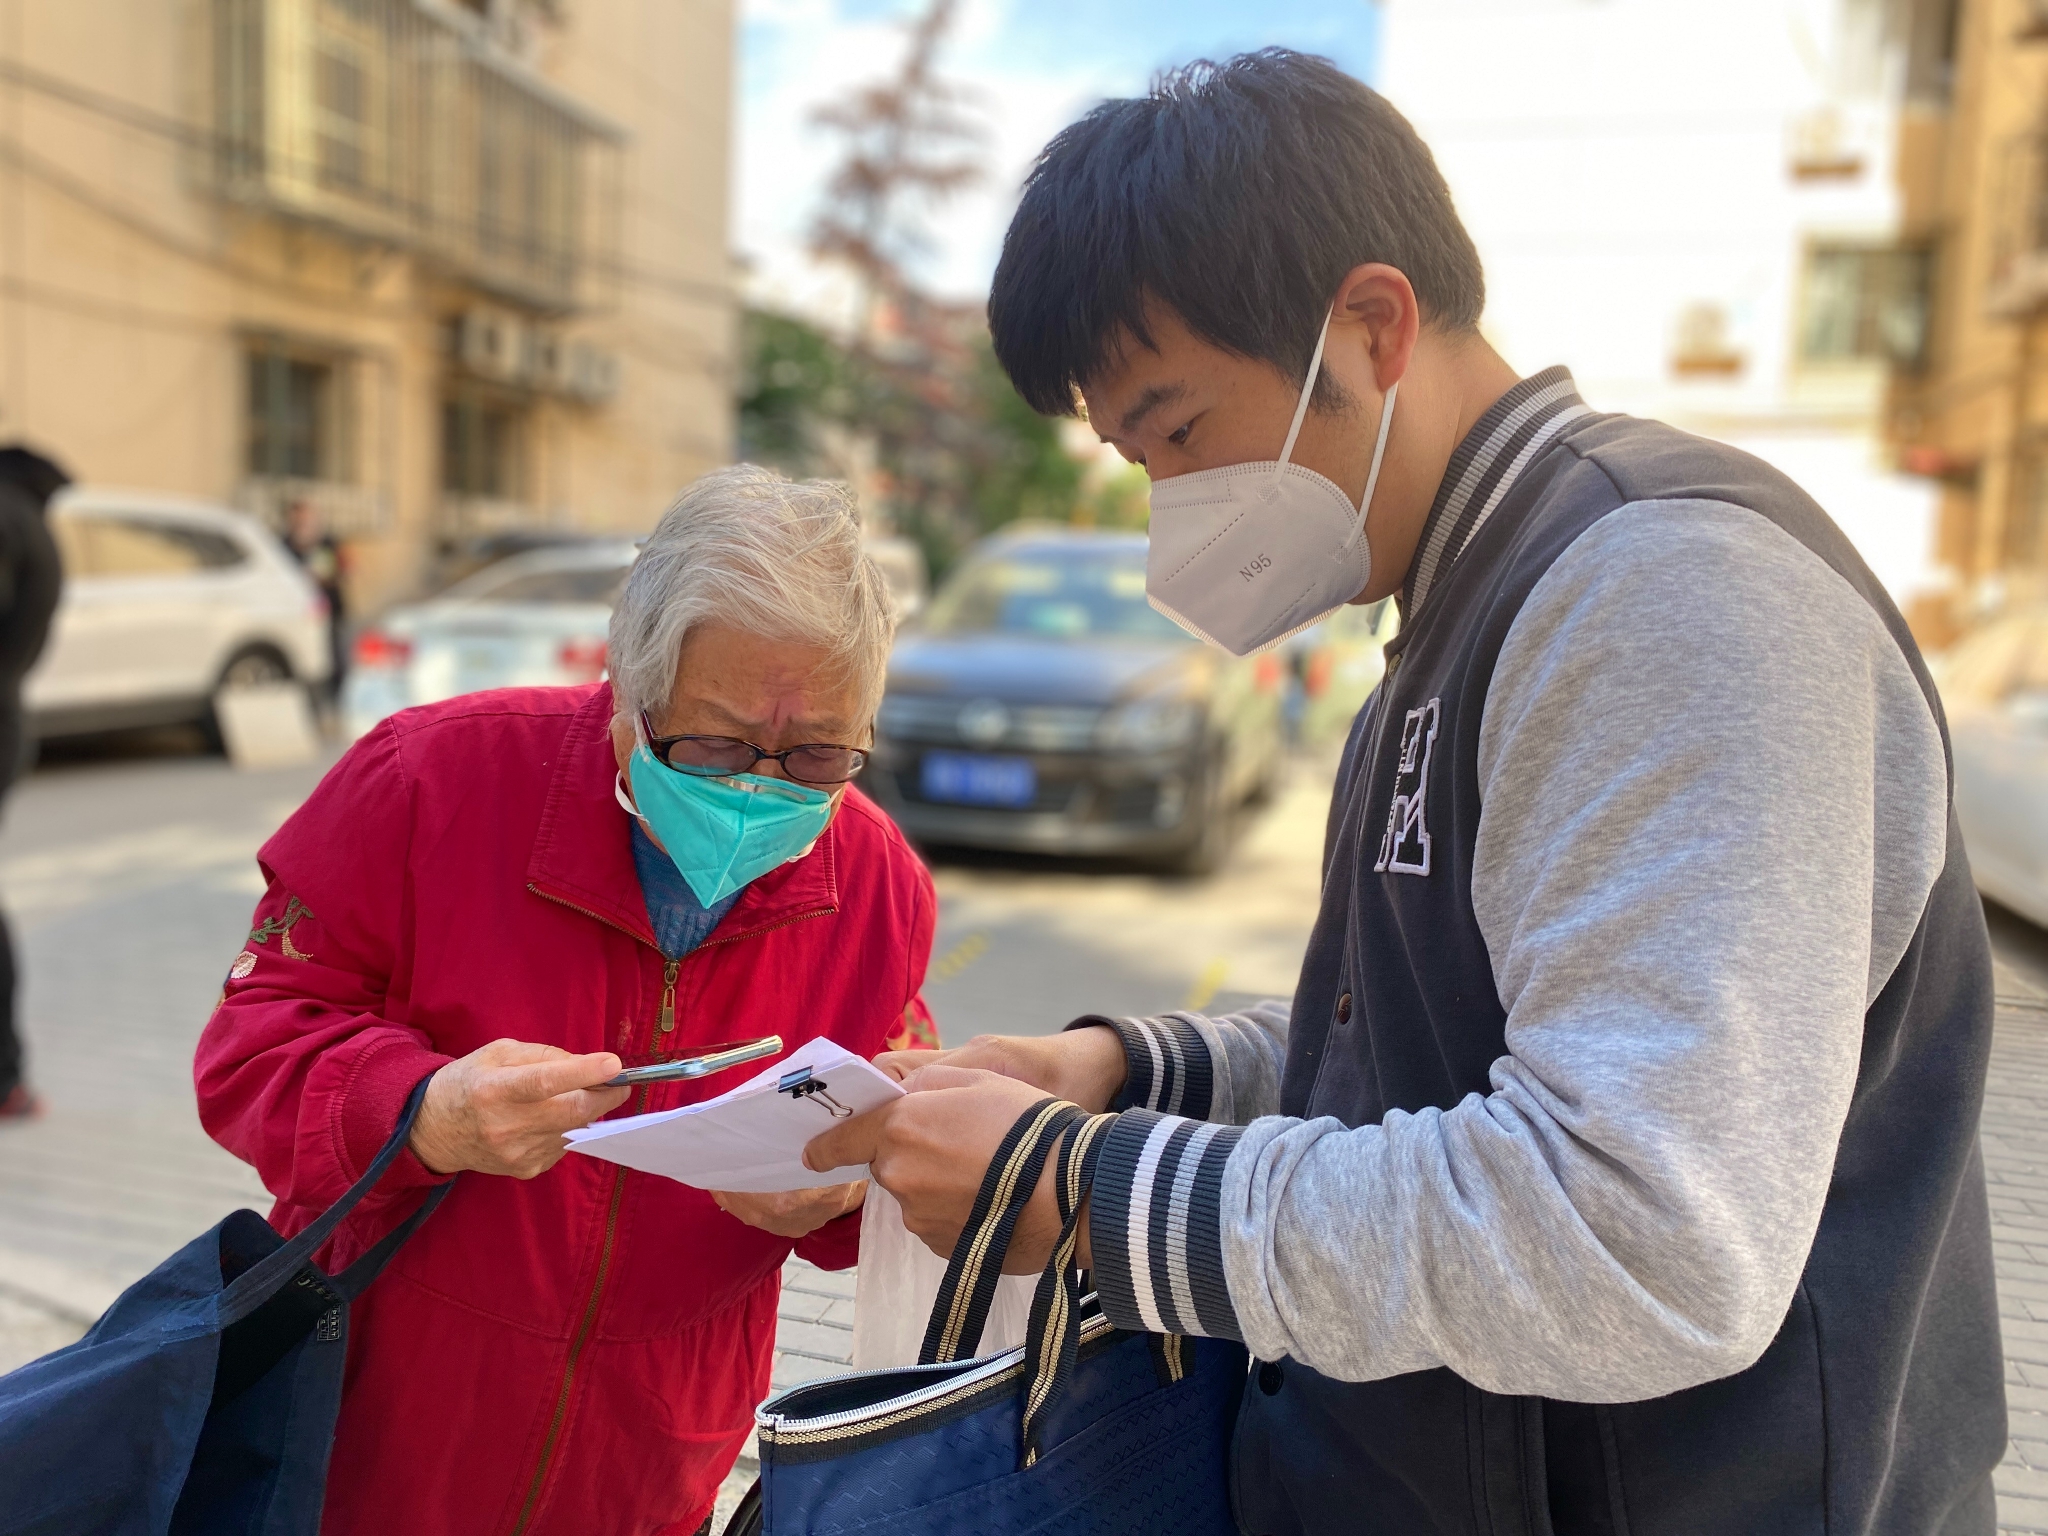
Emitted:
<point x="681" y="922"/>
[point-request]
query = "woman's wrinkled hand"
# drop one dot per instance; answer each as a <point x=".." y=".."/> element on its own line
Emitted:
<point x="795" y="1212"/>
<point x="1082" y="1066"/>
<point x="503" y="1108"/>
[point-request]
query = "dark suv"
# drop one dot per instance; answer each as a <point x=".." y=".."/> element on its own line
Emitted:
<point x="1043" y="704"/>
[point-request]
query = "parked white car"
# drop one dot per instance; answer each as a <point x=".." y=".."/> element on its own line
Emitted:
<point x="534" y="620"/>
<point x="1994" y="687"/>
<point x="165" y="602"/>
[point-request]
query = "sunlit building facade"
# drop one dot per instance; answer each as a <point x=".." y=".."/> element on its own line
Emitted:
<point x="1698" y="208"/>
<point x="1975" y="418"/>
<point x="438" y="268"/>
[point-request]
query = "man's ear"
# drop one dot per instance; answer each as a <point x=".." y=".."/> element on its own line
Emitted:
<point x="1376" y="311"/>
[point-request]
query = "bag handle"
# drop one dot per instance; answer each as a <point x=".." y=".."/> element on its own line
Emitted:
<point x="251" y="1288"/>
<point x="969" y="1287"/>
<point x="1052" y="1342"/>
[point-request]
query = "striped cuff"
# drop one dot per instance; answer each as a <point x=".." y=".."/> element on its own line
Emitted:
<point x="1166" y="1064"/>
<point x="1155" y="1215"/>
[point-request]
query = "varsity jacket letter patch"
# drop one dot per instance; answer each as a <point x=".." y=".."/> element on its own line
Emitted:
<point x="1404" y="848"/>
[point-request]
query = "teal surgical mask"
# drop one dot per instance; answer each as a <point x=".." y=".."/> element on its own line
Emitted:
<point x="724" y="833"/>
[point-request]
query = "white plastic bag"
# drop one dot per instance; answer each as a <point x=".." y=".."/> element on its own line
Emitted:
<point x="898" y="1280"/>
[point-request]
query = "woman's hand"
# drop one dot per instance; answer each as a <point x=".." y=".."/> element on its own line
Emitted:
<point x="1082" y="1066"/>
<point x="795" y="1212"/>
<point x="502" y="1108"/>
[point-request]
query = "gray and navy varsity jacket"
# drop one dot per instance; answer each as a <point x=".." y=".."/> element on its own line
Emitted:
<point x="1614" y="1168"/>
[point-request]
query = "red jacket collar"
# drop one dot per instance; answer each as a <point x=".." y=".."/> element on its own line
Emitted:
<point x="583" y="853"/>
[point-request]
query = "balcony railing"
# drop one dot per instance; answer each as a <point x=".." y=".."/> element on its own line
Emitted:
<point x="2019" y="235"/>
<point x="400" y="121"/>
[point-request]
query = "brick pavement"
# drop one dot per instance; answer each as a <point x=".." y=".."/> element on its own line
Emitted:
<point x="2015" y="1142"/>
<point x="122" y="904"/>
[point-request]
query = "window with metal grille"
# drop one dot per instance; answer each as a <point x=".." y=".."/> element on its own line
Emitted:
<point x="1864" y="302"/>
<point x="412" y="123"/>
<point x="296" y="414"/>
<point x="2027" y="514"/>
<point x="483" y="446"/>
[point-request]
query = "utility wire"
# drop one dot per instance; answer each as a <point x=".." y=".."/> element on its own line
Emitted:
<point x="223" y="147"/>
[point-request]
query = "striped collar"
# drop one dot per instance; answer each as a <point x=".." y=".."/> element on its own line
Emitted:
<point x="1502" y="443"/>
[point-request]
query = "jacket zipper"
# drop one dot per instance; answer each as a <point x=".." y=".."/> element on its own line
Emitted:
<point x="786" y="922"/>
<point x="588" y="1321"/>
<point x="665" y="1023"/>
<point x="1379" y="740"/>
<point x="583" y="1331"/>
<point x="1379" y="736"/>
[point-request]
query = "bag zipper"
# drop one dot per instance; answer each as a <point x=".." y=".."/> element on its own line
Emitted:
<point x="781" y="1429"/>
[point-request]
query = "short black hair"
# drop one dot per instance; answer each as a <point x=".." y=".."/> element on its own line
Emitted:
<point x="1235" y="194"/>
<point x="27" y="470"/>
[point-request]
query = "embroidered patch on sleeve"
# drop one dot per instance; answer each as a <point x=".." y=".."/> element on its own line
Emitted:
<point x="295" y="912"/>
<point x="1404" y="847"/>
<point x="915" y="1031"/>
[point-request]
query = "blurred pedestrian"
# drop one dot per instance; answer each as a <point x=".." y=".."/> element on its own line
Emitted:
<point x="30" y="579"/>
<point x="325" y="560"/>
<point x="1614" y="1166"/>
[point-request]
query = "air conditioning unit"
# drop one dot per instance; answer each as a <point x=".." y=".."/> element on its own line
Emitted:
<point x="588" y="373"/>
<point x="545" y="358"/>
<point x="492" y="344"/>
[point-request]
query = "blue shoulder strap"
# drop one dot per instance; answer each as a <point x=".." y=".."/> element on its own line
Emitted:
<point x="251" y="1288"/>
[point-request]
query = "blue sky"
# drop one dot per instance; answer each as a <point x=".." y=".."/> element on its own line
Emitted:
<point x="1033" y="64"/>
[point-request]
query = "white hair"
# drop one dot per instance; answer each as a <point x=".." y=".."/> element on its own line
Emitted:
<point x="770" y="556"/>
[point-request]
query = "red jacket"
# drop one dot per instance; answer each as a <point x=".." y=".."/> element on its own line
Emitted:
<point x="580" y="1352"/>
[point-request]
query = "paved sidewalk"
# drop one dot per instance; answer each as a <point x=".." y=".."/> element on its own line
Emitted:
<point x="2016" y="1169"/>
<point x="129" y="883"/>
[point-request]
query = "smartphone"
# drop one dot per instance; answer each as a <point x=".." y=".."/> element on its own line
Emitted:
<point x="714" y="1060"/>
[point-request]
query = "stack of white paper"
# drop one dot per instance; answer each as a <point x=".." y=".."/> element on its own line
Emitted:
<point x="751" y="1139"/>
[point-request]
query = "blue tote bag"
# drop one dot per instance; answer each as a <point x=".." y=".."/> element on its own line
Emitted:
<point x="1085" y="1430"/>
<point x="203" y="1403"/>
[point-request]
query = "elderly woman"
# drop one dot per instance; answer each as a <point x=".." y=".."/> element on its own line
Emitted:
<point x="515" y="893"/>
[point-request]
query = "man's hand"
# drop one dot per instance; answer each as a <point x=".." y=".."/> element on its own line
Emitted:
<point x="795" y="1212"/>
<point x="1082" y="1066"/>
<point x="503" y="1108"/>
<point x="931" y="1147"/>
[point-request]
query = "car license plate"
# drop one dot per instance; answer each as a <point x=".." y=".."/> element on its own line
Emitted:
<point x="967" y="779"/>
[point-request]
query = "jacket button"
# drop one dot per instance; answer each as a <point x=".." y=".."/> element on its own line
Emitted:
<point x="1270" y="1377"/>
<point x="1344" y="1009"/>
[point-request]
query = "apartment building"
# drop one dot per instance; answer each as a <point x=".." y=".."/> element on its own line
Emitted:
<point x="1974" y="419"/>
<point x="1697" y="208"/>
<point x="439" y="268"/>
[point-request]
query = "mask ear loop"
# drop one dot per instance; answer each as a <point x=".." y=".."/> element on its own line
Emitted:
<point x="1379" y="447"/>
<point x="1315" y="369"/>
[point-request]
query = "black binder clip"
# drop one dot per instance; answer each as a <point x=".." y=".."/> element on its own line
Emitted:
<point x="800" y="1084"/>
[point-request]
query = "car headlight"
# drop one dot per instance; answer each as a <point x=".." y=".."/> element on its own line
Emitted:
<point x="1149" y="725"/>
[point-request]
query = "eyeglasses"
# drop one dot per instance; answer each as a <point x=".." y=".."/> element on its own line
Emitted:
<point x="719" y="757"/>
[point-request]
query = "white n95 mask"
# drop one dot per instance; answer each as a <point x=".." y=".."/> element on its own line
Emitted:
<point x="1249" y="554"/>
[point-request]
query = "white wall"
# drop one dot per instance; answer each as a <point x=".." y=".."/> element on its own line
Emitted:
<point x="1620" y="160"/>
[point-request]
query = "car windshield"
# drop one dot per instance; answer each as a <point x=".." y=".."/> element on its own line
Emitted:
<point x="550" y="584"/>
<point x="1062" y="594"/>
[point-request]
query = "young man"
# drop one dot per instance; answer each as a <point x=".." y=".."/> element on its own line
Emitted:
<point x="1614" y="1168"/>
